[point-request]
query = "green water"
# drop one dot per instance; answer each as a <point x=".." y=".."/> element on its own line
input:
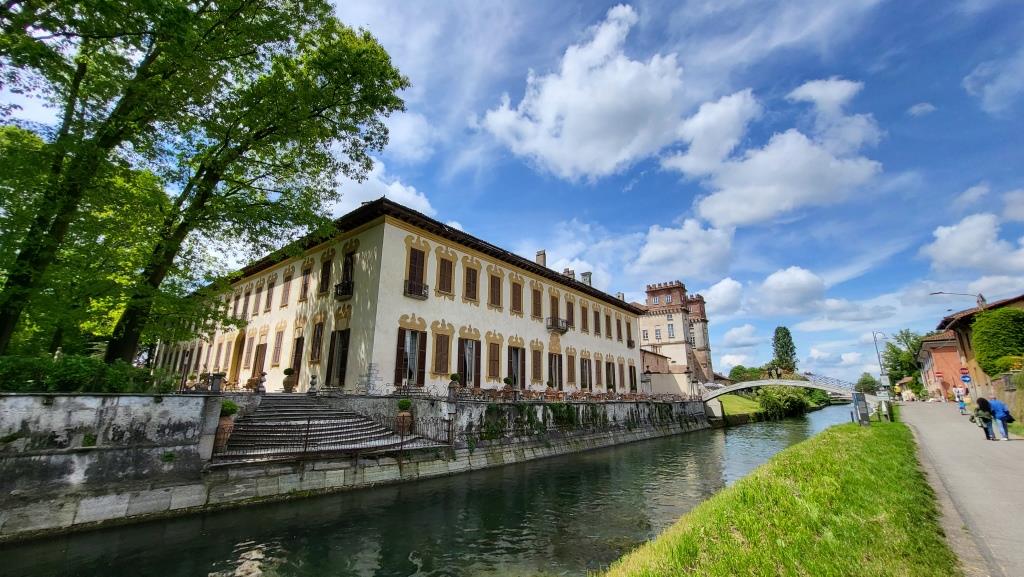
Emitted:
<point x="561" y="516"/>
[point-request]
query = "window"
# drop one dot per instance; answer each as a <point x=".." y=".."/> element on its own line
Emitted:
<point x="632" y="378"/>
<point x="216" y="360"/>
<point x="669" y="317"/>
<point x="325" y="275"/>
<point x="554" y="306"/>
<point x="657" y="334"/>
<point x="348" y="267"/>
<point x="671" y="331"/>
<point x="318" y="342"/>
<point x="493" y="361"/>
<point x="469" y="363"/>
<point x="644" y="334"/>
<point x="247" y="358"/>
<point x="275" y="357"/>
<point x="227" y="358"/>
<point x="417" y="264"/>
<point x="517" y="366"/>
<point x="570" y="314"/>
<point x="597" y="323"/>
<point x="286" y="290"/>
<point x="584" y="319"/>
<point x="618" y="330"/>
<point x="536" y="310"/>
<point x="517" y="298"/>
<point x="654" y="300"/>
<point x="629" y="331"/>
<point x="297" y="347"/>
<point x="304" y="290"/>
<point x="622" y="374"/>
<point x="585" y="382"/>
<point x="608" y="326"/>
<point x="410" y="358"/>
<point x="441" y="343"/>
<point x="555" y="370"/>
<point x="597" y="373"/>
<point x="609" y="373"/>
<point x="245" y="304"/>
<point x="234" y="310"/>
<point x="445" y="275"/>
<point x="495" y="294"/>
<point x="570" y="365"/>
<point x="256" y="300"/>
<point x="668" y="299"/>
<point x="470" y="288"/>
<point x="270" y="296"/>
<point x="337" y="358"/>
<point x="536" y="370"/>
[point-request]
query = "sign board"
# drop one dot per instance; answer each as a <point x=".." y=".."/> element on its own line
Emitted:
<point x="883" y="395"/>
<point x="861" y="414"/>
<point x="884" y="380"/>
<point x="964" y="371"/>
<point x="938" y="374"/>
<point x="965" y="378"/>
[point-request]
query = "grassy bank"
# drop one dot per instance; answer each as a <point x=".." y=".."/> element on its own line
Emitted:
<point x="850" y="501"/>
<point x="737" y="405"/>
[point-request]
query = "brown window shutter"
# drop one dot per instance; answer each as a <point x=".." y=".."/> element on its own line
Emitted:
<point x="629" y="331"/>
<point x="618" y="329"/>
<point x="597" y="324"/>
<point x="476" y="363"/>
<point x="570" y="313"/>
<point x="342" y="363"/>
<point x="493" y="360"/>
<point x="400" y="359"/>
<point x="554" y="307"/>
<point x="538" y="370"/>
<point x="300" y="344"/>
<point x="522" y="368"/>
<point x="495" y="286"/>
<point x="570" y="365"/>
<point x="270" y="296"/>
<point x="622" y="374"/>
<point x="584" y="320"/>
<point x="416" y="259"/>
<point x="422" y="373"/>
<point x="597" y="374"/>
<point x="537" y="312"/>
<point x="332" y="350"/>
<point x="517" y="297"/>
<point x="325" y="275"/>
<point x="460" y="367"/>
<point x="511" y="370"/>
<point x="608" y="326"/>
<point x="446" y="276"/>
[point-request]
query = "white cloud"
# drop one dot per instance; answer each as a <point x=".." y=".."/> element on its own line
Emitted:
<point x="723" y="297"/>
<point x="726" y="362"/>
<point x="1013" y="202"/>
<point x="713" y="132"/>
<point x="454" y="224"/>
<point x="411" y="137"/>
<point x="997" y="286"/>
<point x="743" y="336"/>
<point x="600" y="112"/>
<point x="687" y="251"/>
<point x="838" y="132"/>
<point x="971" y="195"/>
<point x="974" y="243"/>
<point x="997" y="83"/>
<point x="850" y="359"/>
<point x="921" y="109"/>
<point x="583" y="247"/>
<point x="379" y="183"/>
<point x="790" y="291"/>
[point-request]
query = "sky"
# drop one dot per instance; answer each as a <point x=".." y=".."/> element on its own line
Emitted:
<point x="818" y="165"/>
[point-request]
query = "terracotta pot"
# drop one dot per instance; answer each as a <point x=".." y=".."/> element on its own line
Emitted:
<point x="224" y="429"/>
<point x="289" y="383"/>
<point x="403" y="423"/>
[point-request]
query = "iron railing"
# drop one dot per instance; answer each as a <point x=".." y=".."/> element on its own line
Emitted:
<point x="343" y="290"/>
<point x="416" y="290"/>
<point x="557" y="325"/>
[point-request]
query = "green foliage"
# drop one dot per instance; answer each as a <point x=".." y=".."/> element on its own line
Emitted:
<point x="784" y="350"/>
<point x="168" y="457"/>
<point x="850" y="501"/>
<point x="288" y="371"/>
<point x="454" y="377"/>
<point x="996" y="334"/>
<point x="78" y="374"/>
<point x="780" y="402"/>
<point x="900" y="355"/>
<point x="228" y="408"/>
<point x="867" y="384"/>
<point x="404" y="404"/>
<point x="1009" y="363"/>
<point x="741" y="374"/>
<point x="88" y="440"/>
<point x="563" y="415"/>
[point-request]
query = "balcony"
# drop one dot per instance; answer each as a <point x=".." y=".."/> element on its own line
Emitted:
<point x="416" y="290"/>
<point x="631" y="343"/>
<point x="343" y="290"/>
<point x="557" y="325"/>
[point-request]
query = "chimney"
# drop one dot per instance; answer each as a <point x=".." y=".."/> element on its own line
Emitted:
<point x="542" y="258"/>
<point x="572" y="274"/>
<point x="585" y="277"/>
<point x="620" y="296"/>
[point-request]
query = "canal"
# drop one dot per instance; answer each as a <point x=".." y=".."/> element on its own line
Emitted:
<point x="560" y="516"/>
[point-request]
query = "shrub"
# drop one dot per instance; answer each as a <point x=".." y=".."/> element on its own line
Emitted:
<point x="404" y="405"/>
<point x="228" y="408"/>
<point x="289" y="372"/>
<point x="996" y="334"/>
<point x="24" y="374"/>
<point x="80" y="374"/>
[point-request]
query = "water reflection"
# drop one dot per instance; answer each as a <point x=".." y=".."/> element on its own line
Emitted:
<point x="560" y="516"/>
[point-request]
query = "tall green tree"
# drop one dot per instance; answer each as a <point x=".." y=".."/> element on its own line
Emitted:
<point x="784" y="349"/>
<point x="264" y="160"/>
<point x="900" y="355"/>
<point x="119" y="73"/>
<point x="867" y="384"/>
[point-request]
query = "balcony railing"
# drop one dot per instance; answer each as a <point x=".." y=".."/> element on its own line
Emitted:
<point x="631" y="343"/>
<point x="416" y="290"/>
<point x="343" y="290"/>
<point x="557" y="325"/>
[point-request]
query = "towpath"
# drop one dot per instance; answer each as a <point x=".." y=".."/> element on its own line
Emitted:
<point x="980" y="485"/>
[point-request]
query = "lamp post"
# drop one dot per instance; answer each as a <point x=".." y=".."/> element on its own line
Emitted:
<point x="874" y="337"/>
<point x="979" y="298"/>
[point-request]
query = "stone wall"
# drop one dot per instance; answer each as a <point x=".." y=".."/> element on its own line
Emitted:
<point x="238" y="484"/>
<point x="55" y="443"/>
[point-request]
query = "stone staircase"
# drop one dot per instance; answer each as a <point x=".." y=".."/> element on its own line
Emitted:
<point x="295" y="424"/>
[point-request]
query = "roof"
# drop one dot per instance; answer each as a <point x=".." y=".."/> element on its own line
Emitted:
<point x="381" y="207"/>
<point x="952" y="320"/>
<point x="939" y="337"/>
<point x="645" y="351"/>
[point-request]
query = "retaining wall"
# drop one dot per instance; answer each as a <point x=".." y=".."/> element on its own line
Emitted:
<point x="60" y="443"/>
<point x="237" y="485"/>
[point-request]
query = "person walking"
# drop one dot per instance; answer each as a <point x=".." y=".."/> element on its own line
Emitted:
<point x="961" y="401"/>
<point x="1001" y="414"/>
<point x="983" y="417"/>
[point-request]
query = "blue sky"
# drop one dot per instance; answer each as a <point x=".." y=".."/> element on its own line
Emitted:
<point x="818" y="165"/>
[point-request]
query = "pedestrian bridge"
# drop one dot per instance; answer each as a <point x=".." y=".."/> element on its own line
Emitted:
<point x="827" y="384"/>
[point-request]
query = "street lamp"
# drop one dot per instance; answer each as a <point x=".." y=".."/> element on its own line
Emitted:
<point x="874" y="337"/>
<point x="979" y="298"/>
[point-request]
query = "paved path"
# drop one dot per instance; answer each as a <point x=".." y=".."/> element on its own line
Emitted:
<point x="983" y="479"/>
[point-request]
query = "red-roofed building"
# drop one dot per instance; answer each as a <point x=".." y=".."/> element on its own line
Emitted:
<point x="940" y="364"/>
<point x="960" y="323"/>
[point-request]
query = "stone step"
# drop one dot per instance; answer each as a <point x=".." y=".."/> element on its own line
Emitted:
<point x="300" y="433"/>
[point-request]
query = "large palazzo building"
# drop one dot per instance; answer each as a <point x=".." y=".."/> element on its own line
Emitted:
<point x="396" y="298"/>
<point x="675" y="325"/>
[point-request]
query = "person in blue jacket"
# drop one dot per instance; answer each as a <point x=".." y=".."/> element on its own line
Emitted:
<point x="1001" y="415"/>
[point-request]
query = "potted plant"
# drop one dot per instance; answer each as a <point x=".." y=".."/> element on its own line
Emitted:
<point x="509" y="382"/>
<point x="228" y="408"/>
<point x="290" y="380"/>
<point x="455" y="379"/>
<point x="403" y="422"/>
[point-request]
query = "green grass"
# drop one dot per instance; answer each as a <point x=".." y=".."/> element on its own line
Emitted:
<point x="1017" y="428"/>
<point x="849" y="502"/>
<point x="737" y="405"/>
